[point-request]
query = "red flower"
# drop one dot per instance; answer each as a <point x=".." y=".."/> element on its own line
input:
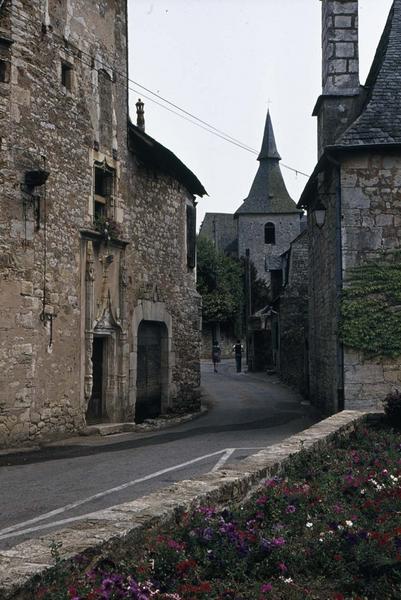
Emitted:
<point x="185" y="565"/>
<point x="339" y="596"/>
<point x="338" y="557"/>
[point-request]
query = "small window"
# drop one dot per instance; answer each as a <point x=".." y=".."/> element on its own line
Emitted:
<point x="103" y="190"/>
<point x="104" y="181"/>
<point x="270" y="233"/>
<point x="4" y="71"/>
<point x="191" y="236"/>
<point x="66" y="75"/>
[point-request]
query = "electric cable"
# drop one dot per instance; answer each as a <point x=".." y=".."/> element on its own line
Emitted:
<point x="77" y="53"/>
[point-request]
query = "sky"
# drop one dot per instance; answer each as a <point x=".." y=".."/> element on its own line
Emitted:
<point x="226" y="62"/>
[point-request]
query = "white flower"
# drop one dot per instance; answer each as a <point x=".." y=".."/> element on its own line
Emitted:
<point x="349" y="523"/>
<point x="309" y="525"/>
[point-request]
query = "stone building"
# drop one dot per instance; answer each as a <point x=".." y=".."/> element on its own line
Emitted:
<point x="268" y="219"/>
<point x="260" y="231"/>
<point x="353" y="200"/>
<point x="99" y="315"/>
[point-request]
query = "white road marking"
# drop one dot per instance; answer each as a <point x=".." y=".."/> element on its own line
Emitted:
<point x="72" y="505"/>
<point x="223" y="459"/>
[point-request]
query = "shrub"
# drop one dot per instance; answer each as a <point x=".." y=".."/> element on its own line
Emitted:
<point x="392" y="408"/>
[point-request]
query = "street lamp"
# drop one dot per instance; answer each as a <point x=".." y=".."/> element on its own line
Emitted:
<point x="320" y="215"/>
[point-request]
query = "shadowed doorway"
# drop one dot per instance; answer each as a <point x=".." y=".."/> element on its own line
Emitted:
<point x="152" y="359"/>
<point x="95" y="412"/>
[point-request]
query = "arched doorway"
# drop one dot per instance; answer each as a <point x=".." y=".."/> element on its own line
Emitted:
<point x="152" y="369"/>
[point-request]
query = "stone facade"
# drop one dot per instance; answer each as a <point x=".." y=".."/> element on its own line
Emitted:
<point x="291" y="310"/>
<point x="251" y="236"/>
<point x="90" y="228"/>
<point x="357" y="182"/>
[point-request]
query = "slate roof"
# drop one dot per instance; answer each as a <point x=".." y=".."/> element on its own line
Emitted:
<point x="221" y="229"/>
<point x="268" y="192"/>
<point x="152" y="153"/>
<point x="380" y="120"/>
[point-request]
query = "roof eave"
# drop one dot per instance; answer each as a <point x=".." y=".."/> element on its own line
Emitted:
<point x="151" y="152"/>
<point x="335" y="150"/>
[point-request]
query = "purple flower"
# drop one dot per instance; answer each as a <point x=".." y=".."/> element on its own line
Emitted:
<point x="283" y="567"/>
<point x="290" y="509"/>
<point x="207" y="534"/>
<point x="266" y="588"/>
<point x="278" y="542"/>
<point x="265" y="545"/>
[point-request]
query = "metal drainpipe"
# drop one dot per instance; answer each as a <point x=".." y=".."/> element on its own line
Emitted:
<point x="339" y="284"/>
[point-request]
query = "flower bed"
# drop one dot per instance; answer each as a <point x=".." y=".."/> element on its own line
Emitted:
<point x="330" y="528"/>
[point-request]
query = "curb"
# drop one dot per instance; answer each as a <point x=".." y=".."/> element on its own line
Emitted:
<point x="112" y="531"/>
<point x="106" y="429"/>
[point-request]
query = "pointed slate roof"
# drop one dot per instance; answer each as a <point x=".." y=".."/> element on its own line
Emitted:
<point x="380" y="120"/>
<point x="268" y="192"/>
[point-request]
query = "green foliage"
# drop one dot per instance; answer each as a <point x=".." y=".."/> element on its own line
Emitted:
<point x="392" y="408"/>
<point x="220" y="283"/>
<point x="371" y="309"/>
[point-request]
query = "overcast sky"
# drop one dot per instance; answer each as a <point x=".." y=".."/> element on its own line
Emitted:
<point x="226" y="61"/>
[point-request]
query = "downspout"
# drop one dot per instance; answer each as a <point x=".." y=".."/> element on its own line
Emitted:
<point x="339" y="283"/>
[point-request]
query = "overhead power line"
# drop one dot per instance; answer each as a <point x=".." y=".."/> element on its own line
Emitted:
<point x="183" y="114"/>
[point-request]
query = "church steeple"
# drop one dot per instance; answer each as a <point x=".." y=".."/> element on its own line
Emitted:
<point x="269" y="148"/>
<point x="268" y="192"/>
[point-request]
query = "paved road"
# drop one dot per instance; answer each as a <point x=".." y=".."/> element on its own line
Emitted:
<point x="44" y="490"/>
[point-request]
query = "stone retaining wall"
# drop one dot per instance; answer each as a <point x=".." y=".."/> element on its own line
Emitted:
<point x="113" y="531"/>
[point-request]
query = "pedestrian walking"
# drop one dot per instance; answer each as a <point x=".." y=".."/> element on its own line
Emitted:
<point x="238" y="349"/>
<point x="216" y="354"/>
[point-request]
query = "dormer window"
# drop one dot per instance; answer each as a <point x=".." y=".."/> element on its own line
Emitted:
<point x="270" y="233"/>
<point x="104" y="190"/>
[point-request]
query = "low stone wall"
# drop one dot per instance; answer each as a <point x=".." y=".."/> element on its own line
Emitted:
<point x="113" y="531"/>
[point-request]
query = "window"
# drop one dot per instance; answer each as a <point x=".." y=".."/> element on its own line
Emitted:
<point x="104" y="189"/>
<point x="66" y="75"/>
<point x="270" y="233"/>
<point x="4" y="71"/>
<point x="191" y="236"/>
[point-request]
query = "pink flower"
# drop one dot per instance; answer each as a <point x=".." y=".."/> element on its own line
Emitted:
<point x="266" y="588"/>
<point x="278" y="541"/>
<point x="283" y="567"/>
<point x="262" y="500"/>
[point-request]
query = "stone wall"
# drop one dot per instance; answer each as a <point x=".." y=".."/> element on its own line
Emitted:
<point x="62" y="282"/>
<point x="47" y="126"/>
<point x="323" y="304"/>
<point x="251" y="234"/>
<point x="371" y="225"/>
<point x="293" y="318"/>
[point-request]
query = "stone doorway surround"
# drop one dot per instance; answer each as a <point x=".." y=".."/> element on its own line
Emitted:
<point x="147" y="310"/>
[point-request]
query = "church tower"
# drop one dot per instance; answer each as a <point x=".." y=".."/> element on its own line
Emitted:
<point x="268" y="220"/>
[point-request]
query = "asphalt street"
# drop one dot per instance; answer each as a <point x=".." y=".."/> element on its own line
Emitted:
<point x="44" y="490"/>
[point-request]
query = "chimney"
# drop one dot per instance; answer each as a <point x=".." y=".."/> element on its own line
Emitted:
<point x="140" y="115"/>
<point x="337" y="107"/>
<point x="340" y="68"/>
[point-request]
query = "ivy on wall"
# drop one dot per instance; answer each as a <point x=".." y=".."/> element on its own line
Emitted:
<point x="371" y="308"/>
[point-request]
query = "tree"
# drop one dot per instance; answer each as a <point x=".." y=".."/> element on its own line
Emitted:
<point x="220" y="283"/>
